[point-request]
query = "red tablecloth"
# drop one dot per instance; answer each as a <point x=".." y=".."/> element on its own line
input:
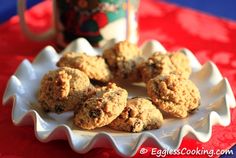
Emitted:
<point x="210" y="38"/>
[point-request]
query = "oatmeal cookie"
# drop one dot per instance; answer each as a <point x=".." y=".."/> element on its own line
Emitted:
<point x="181" y="64"/>
<point x="62" y="89"/>
<point x="168" y="63"/>
<point x="157" y="64"/>
<point x="123" y="60"/>
<point x="174" y="94"/>
<point x="93" y="66"/>
<point x="139" y="114"/>
<point x="102" y="108"/>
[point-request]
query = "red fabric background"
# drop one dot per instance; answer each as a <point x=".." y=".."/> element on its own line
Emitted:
<point x="210" y="38"/>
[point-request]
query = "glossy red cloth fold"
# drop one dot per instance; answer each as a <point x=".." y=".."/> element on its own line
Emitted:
<point x="210" y="38"/>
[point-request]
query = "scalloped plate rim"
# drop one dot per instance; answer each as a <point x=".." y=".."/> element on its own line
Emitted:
<point x="143" y="137"/>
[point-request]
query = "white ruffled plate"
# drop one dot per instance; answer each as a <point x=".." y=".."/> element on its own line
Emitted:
<point x="216" y="100"/>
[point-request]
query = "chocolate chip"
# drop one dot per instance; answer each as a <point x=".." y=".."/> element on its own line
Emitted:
<point x="50" y="79"/>
<point x="125" y="75"/>
<point x="135" y="127"/>
<point x="152" y="65"/>
<point x="193" y="111"/>
<point x="95" y="113"/>
<point x="129" y="113"/>
<point x="46" y="110"/>
<point x="59" y="108"/>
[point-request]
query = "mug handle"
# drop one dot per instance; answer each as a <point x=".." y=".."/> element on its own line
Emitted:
<point x="21" y="5"/>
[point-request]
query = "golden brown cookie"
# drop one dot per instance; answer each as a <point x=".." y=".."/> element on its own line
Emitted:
<point x="102" y="108"/>
<point x="181" y="64"/>
<point x="62" y="89"/>
<point x="157" y="64"/>
<point x="123" y="60"/>
<point x="168" y="63"/>
<point x="174" y="94"/>
<point x="94" y="66"/>
<point x="139" y="114"/>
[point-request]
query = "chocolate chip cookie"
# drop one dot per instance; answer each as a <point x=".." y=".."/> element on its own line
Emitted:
<point x="174" y="94"/>
<point x="93" y="66"/>
<point x="169" y="63"/>
<point x="62" y="89"/>
<point x="139" y="114"/>
<point x="123" y="60"/>
<point x="102" y="108"/>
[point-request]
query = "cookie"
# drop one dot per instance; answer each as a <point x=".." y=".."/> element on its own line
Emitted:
<point x="169" y="63"/>
<point x="174" y="94"/>
<point x="157" y="64"/>
<point x="123" y="60"/>
<point x="60" y="90"/>
<point x="93" y="66"/>
<point x="102" y="108"/>
<point x="181" y="64"/>
<point x="139" y="114"/>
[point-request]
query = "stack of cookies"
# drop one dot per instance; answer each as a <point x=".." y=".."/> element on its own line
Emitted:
<point x="74" y="87"/>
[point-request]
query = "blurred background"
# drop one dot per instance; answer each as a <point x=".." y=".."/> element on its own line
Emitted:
<point x="220" y="8"/>
<point x="224" y="9"/>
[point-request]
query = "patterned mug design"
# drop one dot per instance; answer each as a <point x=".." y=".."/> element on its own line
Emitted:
<point x="99" y="21"/>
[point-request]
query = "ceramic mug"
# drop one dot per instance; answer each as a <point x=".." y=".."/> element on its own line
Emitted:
<point x="99" y="21"/>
